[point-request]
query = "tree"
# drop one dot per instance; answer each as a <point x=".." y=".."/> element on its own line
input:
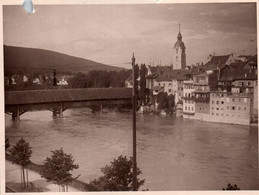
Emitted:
<point x="57" y="169"/>
<point x="162" y="100"/>
<point x="171" y="103"/>
<point x="142" y="84"/>
<point x="80" y="80"/>
<point x="7" y="144"/>
<point x="118" y="176"/>
<point x="231" y="187"/>
<point x="21" y="153"/>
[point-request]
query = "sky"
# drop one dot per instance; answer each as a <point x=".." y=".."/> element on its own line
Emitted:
<point x="109" y="34"/>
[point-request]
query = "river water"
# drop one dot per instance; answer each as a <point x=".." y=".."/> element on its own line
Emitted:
<point x="172" y="153"/>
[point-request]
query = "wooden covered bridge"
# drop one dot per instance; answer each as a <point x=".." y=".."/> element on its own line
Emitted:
<point x="58" y="100"/>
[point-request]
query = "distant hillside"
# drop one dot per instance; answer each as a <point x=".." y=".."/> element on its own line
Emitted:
<point x="18" y="59"/>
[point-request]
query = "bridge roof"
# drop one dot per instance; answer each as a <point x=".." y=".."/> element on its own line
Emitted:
<point x="65" y="95"/>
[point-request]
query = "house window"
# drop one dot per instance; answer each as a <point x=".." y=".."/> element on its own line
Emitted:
<point x="239" y="108"/>
<point x="217" y="108"/>
<point x="169" y="90"/>
<point x="233" y="108"/>
<point x="233" y="99"/>
<point x="212" y="113"/>
<point x="212" y="102"/>
<point x="227" y="107"/>
<point x="222" y="102"/>
<point x="239" y="99"/>
<point x="245" y="100"/>
<point x="217" y="102"/>
<point x="192" y="108"/>
<point x="244" y="108"/>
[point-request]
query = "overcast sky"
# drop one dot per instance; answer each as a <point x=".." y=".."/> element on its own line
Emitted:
<point x="110" y="33"/>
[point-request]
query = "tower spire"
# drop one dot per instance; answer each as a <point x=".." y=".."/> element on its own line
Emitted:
<point x="179" y="27"/>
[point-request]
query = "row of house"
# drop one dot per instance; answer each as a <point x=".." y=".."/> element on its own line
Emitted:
<point x="224" y="89"/>
<point x="18" y="79"/>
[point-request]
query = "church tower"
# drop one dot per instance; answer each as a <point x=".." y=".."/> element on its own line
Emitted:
<point x="179" y="56"/>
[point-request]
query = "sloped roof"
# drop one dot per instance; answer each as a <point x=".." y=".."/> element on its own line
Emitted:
<point x="238" y="65"/>
<point x="218" y="60"/>
<point x="253" y="59"/>
<point x="155" y="69"/>
<point x="157" y="88"/>
<point x="65" y="95"/>
<point x="169" y="75"/>
<point x="153" y="76"/>
<point x="237" y="74"/>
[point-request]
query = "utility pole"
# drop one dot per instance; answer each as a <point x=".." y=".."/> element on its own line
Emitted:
<point x="134" y="126"/>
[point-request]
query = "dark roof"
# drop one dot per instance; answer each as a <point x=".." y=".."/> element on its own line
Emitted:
<point x="153" y="76"/>
<point x="238" y="65"/>
<point x="218" y="60"/>
<point x="253" y="59"/>
<point x="157" y="88"/>
<point x="236" y="74"/>
<point x="155" y="69"/>
<point x="65" y="95"/>
<point x="169" y="75"/>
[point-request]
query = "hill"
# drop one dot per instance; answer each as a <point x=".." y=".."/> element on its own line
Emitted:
<point x="38" y="60"/>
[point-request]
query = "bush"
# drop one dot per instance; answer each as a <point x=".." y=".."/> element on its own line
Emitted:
<point x="118" y="176"/>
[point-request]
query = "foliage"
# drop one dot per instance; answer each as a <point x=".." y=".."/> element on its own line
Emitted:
<point x="57" y="168"/>
<point x="231" y="187"/>
<point x="162" y="100"/>
<point x="21" y="152"/>
<point x="79" y="81"/>
<point x="171" y="103"/>
<point x="118" y="176"/>
<point x="7" y="143"/>
<point x="99" y="79"/>
<point x="142" y="91"/>
<point x="165" y="102"/>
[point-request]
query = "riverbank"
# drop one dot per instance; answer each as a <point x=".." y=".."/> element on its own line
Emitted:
<point x="36" y="182"/>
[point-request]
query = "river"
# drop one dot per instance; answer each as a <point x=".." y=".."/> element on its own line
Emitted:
<point x="172" y="153"/>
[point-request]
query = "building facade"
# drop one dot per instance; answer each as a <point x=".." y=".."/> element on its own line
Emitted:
<point x="188" y="99"/>
<point x="230" y="108"/>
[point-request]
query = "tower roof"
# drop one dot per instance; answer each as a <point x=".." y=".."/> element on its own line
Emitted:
<point x="179" y="42"/>
<point x="179" y="36"/>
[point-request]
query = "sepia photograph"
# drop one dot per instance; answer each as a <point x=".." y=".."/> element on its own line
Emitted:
<point x="130" y="97"/>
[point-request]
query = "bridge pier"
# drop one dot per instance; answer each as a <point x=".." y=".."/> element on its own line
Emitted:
<point x="96" y="109"/>
<point x="16" y="116"/>
<point x="57" y="112"/>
